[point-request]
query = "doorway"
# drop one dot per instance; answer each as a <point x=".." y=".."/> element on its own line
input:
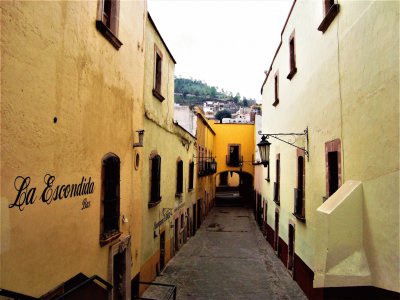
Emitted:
<point x="276" y="237"/>
<point x="162" y="250"/>
<point x="194" y="219"/>
<point x="290" y="262"/>
<point x="333" y="172"/>
<point x="176" y="234"/>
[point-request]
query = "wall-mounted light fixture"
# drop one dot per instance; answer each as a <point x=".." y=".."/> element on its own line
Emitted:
<point x="264" y="145"/>
<point x="140" y="134"/>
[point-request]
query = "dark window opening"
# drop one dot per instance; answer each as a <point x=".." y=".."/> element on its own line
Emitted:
<point x="179" y="177"/>
<point x="107" y="21"/>
<point x="191" y="175"/>
<point x="293" y="68"/>
<point x="277" y="183"/>
<point x="333" y="172"/>
<point x="110" y="197"/>
<point x="299" y="203"/>
<point x="155" y="181"/>
<point x="276" y="236"/>
<point x="234" y="158"/>
<point x="276" y="82"/>
<point x="331" y="9"/>
<point x="158" y="73"/>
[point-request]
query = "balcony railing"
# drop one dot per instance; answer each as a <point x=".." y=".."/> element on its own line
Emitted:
<point x="234" y="161"/>
<point x="207" y="168"/>
<point x="276" y="193"/>
<point x="299" y="204"/>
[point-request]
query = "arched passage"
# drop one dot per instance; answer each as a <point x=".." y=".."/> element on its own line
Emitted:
<point x="234" y="188"/>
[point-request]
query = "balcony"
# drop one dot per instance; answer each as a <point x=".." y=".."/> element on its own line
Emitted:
<point x="234" y="161"/>
<point x="207" y="168"/>
<point x="299" y="205"/>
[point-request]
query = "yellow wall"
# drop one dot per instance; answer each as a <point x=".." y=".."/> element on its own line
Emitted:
<point x="352" y="81"/>
<point x="242" y="134"/>
<point x="205" y="187"/>
<point x="55" y="64"/>
<point x="172" y="143"/>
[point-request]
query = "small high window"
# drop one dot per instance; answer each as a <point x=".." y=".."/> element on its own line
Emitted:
<point x="292" y="53"/>
<point x="333" y="166"/>
<point x="108" y="21"/>
<point x="158" y="58"/>
<point x="179" y="177"/>
<point x="110" y="202"/>
<point x="155" y="180"/>
<point x="276" y="85"/>
<point x="330" y="10"/>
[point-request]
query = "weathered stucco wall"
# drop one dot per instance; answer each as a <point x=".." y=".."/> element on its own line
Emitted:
<point x="68" y="97"/>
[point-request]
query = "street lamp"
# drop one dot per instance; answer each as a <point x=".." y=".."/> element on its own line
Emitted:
<point x="264" y="146"/>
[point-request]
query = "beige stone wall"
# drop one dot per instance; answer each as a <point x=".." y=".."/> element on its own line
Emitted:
<point x="172" y="143"/>
<point x="68" y="98"/>
<point x="346" y="87"/>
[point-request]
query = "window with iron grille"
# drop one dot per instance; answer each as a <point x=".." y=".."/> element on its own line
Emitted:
<point x="179" y="177"/>
<point x="108" y="21"/>
<point x="191" y="175"/>
<point x="110" y="197"/>
<point x="155" y="181"/>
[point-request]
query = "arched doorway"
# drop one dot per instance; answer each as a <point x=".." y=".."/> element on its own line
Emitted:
<point x="234" y="188"/>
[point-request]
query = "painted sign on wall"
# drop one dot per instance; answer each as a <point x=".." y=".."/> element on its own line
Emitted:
<point x="26" y="194"/>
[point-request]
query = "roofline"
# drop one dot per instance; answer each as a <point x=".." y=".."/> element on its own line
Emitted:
<point x="159" y="34"/>
<point x="204" y="120"/>
<point x="177" y="124"/>
<point x="279" y="47"/>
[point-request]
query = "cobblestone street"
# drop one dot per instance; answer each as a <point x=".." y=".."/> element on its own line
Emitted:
<point x="228" y="258"/>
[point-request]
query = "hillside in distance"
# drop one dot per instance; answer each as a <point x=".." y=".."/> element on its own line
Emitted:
<point x="194" y="92"/>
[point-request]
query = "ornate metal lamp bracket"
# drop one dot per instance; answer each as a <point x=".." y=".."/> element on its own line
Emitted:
<point x="290" y="142"/>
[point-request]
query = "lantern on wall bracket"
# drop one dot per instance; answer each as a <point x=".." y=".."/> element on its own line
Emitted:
<point x="264" y="145"/>
<point x="140" y="134"/>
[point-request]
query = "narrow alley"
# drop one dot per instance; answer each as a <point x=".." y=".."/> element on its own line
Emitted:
<point x="228" y="258"/>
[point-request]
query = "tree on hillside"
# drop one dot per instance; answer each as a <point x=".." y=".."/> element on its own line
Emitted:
<point x="222" y="114"/>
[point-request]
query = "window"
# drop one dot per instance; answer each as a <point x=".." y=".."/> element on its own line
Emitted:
<point x="107" y="21"/>
<point x="191" y="175"/>
<point x="292" y="53"/>
<point x="276" y="80"/>
<point x="234" y="158"/>
<point x="179" y="177"/>
<point x="110" y="202"/>
<point x="278" y="179"/>
<point x="330" y="10"/>
<point x="333" y="166"/>
<point x="157" y="74"/>
<point x="299" y="200"/>
<point x="155" y="180"/>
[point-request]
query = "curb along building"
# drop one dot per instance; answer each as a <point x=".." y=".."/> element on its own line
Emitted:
<point x="333" y="217"/>
<point x="169" y="181"/>
<point x="71" y="103"/>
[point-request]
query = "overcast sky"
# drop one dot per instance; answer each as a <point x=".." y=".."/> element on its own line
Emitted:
<point x="226" y="43"/>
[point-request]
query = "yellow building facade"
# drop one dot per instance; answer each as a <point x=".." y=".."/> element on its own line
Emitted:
<point x="234" y="150"/>
<point x="71" y="103"/>
<point x="205" y="188"/>
<point x="333" y="217"/>
<point x="168" y="163"/>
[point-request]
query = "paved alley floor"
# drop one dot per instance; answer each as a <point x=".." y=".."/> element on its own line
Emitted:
<point x="228" y="258"/>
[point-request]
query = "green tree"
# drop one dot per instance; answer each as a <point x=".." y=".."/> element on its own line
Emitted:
<point x="222" y="114"/>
